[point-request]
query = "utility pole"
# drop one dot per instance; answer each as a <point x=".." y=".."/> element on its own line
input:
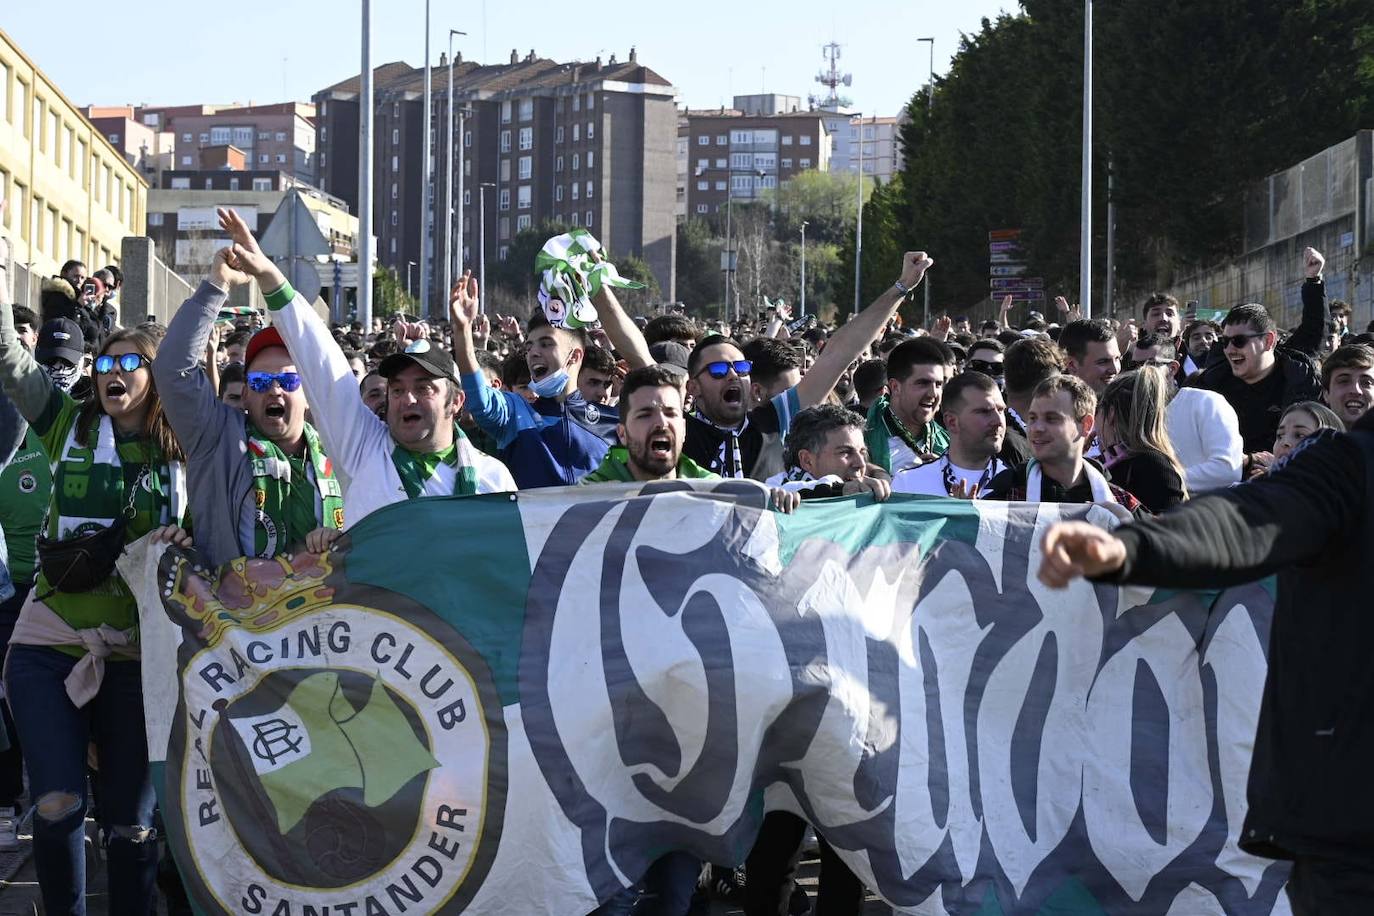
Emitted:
<point x="930" y="102"/>
<point x="859" y="222"/>
<point x="482" y="244"/>
<point x="364" y="247"/>
<point x="1085" y="248"/>
<point x="427" y="195"/>
<point x="448" y="175"/>
<point x="803" y="276"/>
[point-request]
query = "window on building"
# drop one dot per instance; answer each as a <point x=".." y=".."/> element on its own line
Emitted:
<point x="591" y="101"/>
<point x="505" y="199"/>
<point x="558" y="193"/>
<point x="262" y="184"/>
<point x="525" y="167"/>
<point x="393" y="244"/>
<point x="154" y="219"/>
<point x="576" y="190"/>
<point x="267" y="134"/>
<point x="591" y="130"/>
<point x="233" y="184"/>
<point x="722" y="163"/>
<point x="467" y="138"/>
<point x="395" y="190"/>
<point x="741" y="160"/>
<point x="395" y="220"/>
<point x="522" y="222"/>
<point x="526" y="109"/>
<point x="4" y="92"/>
<point x="786" y="139"/>
<point x="281" y="157"/>
<point x="395" y="163"/>
<point x="503" y="227"/>
<point x="505" y="141"/>
<point x="805" y="139"/>
<point x="702" y="208"/>
<point x="591" y="159"/>
<point x="768" y="181"/>
<point x="220" y="136"/>
<point x="804" y="163"/>
<point x="467" y="197"/>
<point x="703" y="185"/>
<point x="209" y="184"/>
<point x="576" y="162"/>
<point x="577" y="132"/>
<point x="467" y="166"/>
<point x="558" y="164"/>
<point x="505" y="170"/>
<point x="505" y="112"/>
<point x="720" y="186"/>
<point x="703" y="164"/>
<point x="322" y="158"/>
<point x="114" y="139"/>
<point x="558" y="134"/>
<point x="263" y="158"/>
<point x="181" y="184"/>
<point x="522" y="197"/>
<point x="588" y="191"/>
<point x="740" y="137"/>
<point x="395" y="136"/>
<point x="576" y="218"/>
<point x="527" y="138"/>
<point x="185" y="160"/>
<point x="722" y="140"/>
<point x="588" y="221"/>
<point x="703" y="140"/>
<point x="787" y="163"/>
<point x="281" y="136"/>
<point x="204" y="138"/>
<point x="577" y="103"/>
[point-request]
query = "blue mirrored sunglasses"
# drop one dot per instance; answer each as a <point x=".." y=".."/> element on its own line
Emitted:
<point x="129" y="362"/>
<point x="262" y="381"/>
<point x="722" y="368"/>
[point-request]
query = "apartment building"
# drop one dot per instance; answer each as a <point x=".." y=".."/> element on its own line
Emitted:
<point x="66" y="191"/>
<point x="144" y="147"/>
<point x="583" y="143"/>
<point x="732" y="155"/>
<point x="273" y="137"/>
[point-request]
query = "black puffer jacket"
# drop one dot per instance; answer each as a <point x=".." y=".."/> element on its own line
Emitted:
<point x="1311" y="521"/>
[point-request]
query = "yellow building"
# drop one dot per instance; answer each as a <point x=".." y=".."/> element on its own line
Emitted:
<point x="67" y="192"/>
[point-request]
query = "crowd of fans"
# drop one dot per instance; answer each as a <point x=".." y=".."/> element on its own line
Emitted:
<point x="274" y="437"/>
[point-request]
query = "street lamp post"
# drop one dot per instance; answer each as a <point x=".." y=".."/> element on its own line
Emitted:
<point x="1085" y="249"/>
<point x="365" y="173"/>
<point x="427" y="194"/>
<point x="859" y="222"/>
<point x="448" y="175"/>
<point x="482" y="245"/>
<point x="803" y="276"/>
<point x="930" y="102"/>
<point x="409" y="265"/>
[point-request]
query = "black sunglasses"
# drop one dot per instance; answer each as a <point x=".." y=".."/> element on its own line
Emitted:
<point x="985" y="367"/>
<point x="1238" y="340"/>
<point x="721" y="368"/>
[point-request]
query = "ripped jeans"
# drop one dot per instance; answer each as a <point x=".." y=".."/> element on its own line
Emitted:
<point x="54" y="734"/>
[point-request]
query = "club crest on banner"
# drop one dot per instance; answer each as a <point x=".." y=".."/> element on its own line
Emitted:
<point x="328" y="752"/>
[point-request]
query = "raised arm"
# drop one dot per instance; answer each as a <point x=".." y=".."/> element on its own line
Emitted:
<point x="625" y="335"/>
<point x="853" y="338"/>
<point x="487" y="406"/>
<point x="343" y="420"/>
<point x="188" y="395"/>
<point x="23" y="380"/>
<point x="1307" y="338"/>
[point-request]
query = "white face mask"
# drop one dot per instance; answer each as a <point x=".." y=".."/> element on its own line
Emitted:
<point x="64" y="377"/>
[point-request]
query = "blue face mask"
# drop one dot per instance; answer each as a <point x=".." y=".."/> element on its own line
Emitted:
<point x="551" y="385"/>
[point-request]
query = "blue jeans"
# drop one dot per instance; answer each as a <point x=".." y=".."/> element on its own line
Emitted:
<point x="666" y="890"/>
<point x="55" y="734"/>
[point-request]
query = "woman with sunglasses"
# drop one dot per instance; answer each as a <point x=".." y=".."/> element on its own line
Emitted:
<point x="72" y="675"/>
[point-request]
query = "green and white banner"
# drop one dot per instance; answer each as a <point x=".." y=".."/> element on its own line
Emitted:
<point x="514" y="704"/>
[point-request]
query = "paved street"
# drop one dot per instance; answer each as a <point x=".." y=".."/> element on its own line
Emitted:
<point x="19" y="888"/>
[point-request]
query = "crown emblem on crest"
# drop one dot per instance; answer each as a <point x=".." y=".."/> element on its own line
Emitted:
<point x="254" y="594"/>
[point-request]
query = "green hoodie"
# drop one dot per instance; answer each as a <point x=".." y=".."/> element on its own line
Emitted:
<point x="615" y="468"/>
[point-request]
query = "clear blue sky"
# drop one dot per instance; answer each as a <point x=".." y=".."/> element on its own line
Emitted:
<point x="164" y="52"/>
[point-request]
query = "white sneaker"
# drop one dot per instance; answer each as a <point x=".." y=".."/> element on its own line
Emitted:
<point x="9" y="830"/>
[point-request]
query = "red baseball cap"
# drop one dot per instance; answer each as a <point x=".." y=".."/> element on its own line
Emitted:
<point x="265" y="339"/>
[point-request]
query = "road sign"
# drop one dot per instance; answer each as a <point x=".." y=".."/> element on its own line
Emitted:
<point x="1004" y="235"/>
<point x="1004" y="246"/>
<point x="1017" y="283"/>
<point x="338" y="273"/>
<point x="1004" y="270"/>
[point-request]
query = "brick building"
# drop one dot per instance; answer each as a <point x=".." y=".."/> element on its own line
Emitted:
<point x="585" y="143"/>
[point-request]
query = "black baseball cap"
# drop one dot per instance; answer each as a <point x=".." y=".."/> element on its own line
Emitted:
<point x="60" y="338"/>
<point x="430" y="357"/>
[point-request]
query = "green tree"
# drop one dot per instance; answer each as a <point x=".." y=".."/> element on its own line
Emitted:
<point x="884" y="243"/>
<point x="826" y="201"/>
<point x="389" y="294"/>
<point x="515" y="274"/>
<point x="698" y="267"/>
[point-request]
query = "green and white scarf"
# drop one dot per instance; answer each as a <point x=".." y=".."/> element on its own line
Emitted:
<point x="415" y="470"/>
<point x="271" y="525"/>
<point x="569" y="278"/>
<point x="88" y="487"/>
